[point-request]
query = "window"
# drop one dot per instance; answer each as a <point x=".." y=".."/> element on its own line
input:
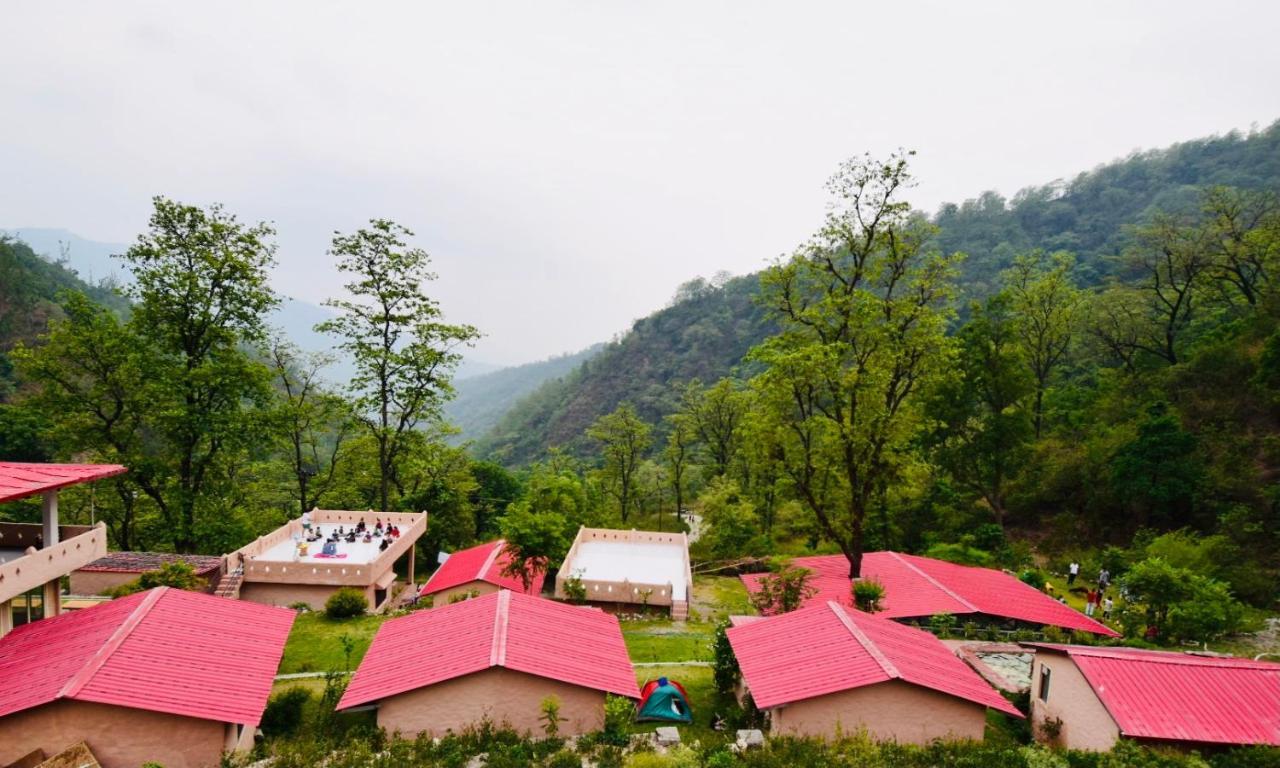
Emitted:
<point x="28" y="607"/>
<point x="1044" y="682"/>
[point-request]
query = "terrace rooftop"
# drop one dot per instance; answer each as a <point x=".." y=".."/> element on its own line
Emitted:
<point x="357" y="553"/>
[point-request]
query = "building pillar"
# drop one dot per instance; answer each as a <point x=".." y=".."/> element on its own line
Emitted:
<point x="412" y="551"/>
<point x="6" y="617"/>
<point x="49" y="512"/>
<point x="52" y="598"/>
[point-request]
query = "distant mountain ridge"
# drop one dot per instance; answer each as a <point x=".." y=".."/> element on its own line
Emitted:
<point x="706" y="335"/>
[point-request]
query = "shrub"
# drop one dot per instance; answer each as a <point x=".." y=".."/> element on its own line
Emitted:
<point x="550" y="716"/>
<point x="1033" y="577"/>
<point x="942" y="624"/>
<point x="345" y="603"/>
<point x="574" y="590"/>
<point x="618" y="712"/>
<point x="284" y="711"/>
<point x="867" y="594"/>
<point x="564" y="759"/>
<point x="726" y="664"/>
<point x="177" y="574"/>
<point x="784" y="591"/>
<point x="301" y="605"/>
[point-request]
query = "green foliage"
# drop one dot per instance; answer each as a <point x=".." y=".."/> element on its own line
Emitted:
<point x="867" y="594"/>
<point x="618" y="714"/>
<point x="284" y="713"/>
<point x="394" y="334"/>
<point x="624" y="438"/>
<point x="942" y="624"/>
<point x="1176" y="603"/>
<point x="345" y="603"/>
<point x="784" y="591"/>
<point x="549" y="710"/>
<point x="574" y="590"/>
<point x="727" y="673"/>
<point x="960" y="553"/>
<point x="534" y="539"/>
<point x="176" y="574"/>
<point x="730" y="521"/>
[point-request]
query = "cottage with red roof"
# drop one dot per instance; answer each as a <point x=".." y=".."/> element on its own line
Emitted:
<point x="1085" y="697"/>
<point x="496" y="657"/>
<point x="165" y="675"/>
<point x="474" y="572"/>
<point x="919" y="587"/>
<point x="827" y="669"/>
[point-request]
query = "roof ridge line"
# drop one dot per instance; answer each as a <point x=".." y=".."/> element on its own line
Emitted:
<point x="498" y="651"/>
<point x="80" y="679"/>
<point x="501" y="544"/>
<point x="935" y="582"/>
<point x="871" y="648"/>
<point x="1180" y="659"/>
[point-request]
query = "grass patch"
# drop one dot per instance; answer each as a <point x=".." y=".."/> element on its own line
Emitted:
<point x="718" y="597"/>
<point x="315" y="644"/>
<point x="648" y="646"/>
<point x="698" y="681"/>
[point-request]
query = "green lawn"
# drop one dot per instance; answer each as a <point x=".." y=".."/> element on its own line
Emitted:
<point x="699" y="682"/>
<point x="315" y="644"/>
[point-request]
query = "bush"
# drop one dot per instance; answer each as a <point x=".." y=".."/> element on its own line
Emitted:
<point x="345" y="603"/>
<point x="177" y="574"/>
<point x="618" y="713"/>
<point x="1033" y="577"/>
<point x="867" y="594"/>
<point x="784" y="591"/>
<point x="942" y="624"/>
<point x="284" y="712"/>
<point x="565" y="759"/>
<point x="574" y="590"/>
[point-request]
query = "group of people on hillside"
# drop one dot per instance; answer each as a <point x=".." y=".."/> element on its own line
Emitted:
<point x="360" y="532"/>
<point x="1096" y="597"/>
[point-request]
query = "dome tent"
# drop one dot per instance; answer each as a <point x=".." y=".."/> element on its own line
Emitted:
<point x="664" y="700"/>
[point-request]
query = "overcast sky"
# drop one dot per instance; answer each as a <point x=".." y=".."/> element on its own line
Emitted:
<point x="568" y="165"/>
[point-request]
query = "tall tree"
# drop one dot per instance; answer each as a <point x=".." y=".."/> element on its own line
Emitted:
<point x="715" y="414"/>
<point x="1046" y="306"/>
<point x="201" y="295"/>
<point x="676" y="454"/>
<point x="403" y="352"/>
<point x="314" y="422"/>
<point x="624" y="438"/>
<point x="983" y="430"/>
<point x="862" y="311"/>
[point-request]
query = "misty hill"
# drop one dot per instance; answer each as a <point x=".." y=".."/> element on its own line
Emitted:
<point x="706" y="334"/>
<point x="482" y="398"/>
<point x="703" y="335"/>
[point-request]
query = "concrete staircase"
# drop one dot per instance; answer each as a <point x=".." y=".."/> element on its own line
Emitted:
<point x="229" y="584"/>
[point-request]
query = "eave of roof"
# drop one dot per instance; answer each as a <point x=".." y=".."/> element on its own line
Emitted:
<point x="19" y="479"/>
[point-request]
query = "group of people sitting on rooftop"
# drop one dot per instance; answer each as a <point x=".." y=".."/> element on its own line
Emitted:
<point x="360" y="532"/>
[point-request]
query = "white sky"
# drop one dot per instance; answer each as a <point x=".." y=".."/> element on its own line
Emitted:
<point x="569" y="164"/>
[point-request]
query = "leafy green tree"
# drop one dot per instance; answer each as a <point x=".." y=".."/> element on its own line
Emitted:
<point x="314" y="422"/>
<point x="534" y="541"/>
<point x="677" y="455"/>
<point x="402" y="350"/>
<point x="1046" y="309"/>
<point x="1177" y="603"/>
<point x="983" y="427"/>
<point x="1243" y="232"/>
<point x="715" y="416"/>
<point x="1157" y="474"/>
<point x="176" y="395"/>
<point x="863" y="312"/>
<point x="729" y="519"/>
<point x="624" y="439"/>
<point x="178" y="575"/>
<point x="496" y="489"/>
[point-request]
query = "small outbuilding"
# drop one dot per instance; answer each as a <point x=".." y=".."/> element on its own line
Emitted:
<point x="495" y="658"/>
<point x="119" y="568"/>
<point x="163" y="676"/>
<point x="826" y="669"/>
<point x="474" y="572"/>
<point x="630" y="568"/>
<point x="1087" y="697"/>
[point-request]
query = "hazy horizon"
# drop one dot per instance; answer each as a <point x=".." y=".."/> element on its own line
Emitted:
<point x="568" y="166"/>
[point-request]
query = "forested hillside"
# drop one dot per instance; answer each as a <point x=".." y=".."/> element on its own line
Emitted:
<point x="706" y="332"/>
<point x="481" y="400"/>
<point x="703" y="334"/>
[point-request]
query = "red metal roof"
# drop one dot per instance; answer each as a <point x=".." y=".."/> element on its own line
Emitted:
<point x="581" y="646"/>
<point x="826" y="648"/>
<point x="1179" y="697"/>
<point x="480" y="563"/>
<point x="19" y="479"/>
<point x="922" y="586"/>
<point x="164" y="650"/>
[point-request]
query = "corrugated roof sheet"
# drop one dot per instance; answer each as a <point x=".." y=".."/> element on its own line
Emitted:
<point x="581" y="646"/>
<point x="480" y="563"/>
<point x="20" y="479"/>
<point x="1179" y="697"/>
<point x="826" y="648"/>
<point x="918" y="586"/>
<point x="140" y="562"/>
<point x="164" y="650"/>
